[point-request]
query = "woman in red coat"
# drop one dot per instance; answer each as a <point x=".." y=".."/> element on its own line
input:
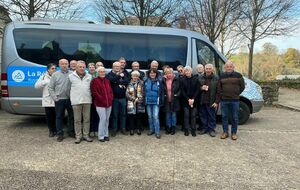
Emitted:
<point x="102" y="96"/>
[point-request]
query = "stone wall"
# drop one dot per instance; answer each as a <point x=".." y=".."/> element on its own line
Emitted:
<point x="270" y="92"/>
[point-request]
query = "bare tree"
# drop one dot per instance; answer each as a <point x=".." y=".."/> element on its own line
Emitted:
<point x="4" y="19"/>
<point x="263" y="18"/>
<point x="27" y="9"/>
<point x="212" y="17"/>
<point x="139" y="12"/>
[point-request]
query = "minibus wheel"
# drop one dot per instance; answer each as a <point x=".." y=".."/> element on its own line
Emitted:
<point x="244" y="113"/>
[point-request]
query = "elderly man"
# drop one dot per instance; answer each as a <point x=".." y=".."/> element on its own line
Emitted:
<point x="73" y="64"/>
<point x="232" y="85"/>
<point x="99" y="64"/>
<point x="200" y="70"/>
<point x="154" y="65"/>
<point x="119" y="82"/>
<point x="135" y="66"/>
<point x="209" y="100"/>
<point x="81" y="101"/>
<point x="60" y="92"/>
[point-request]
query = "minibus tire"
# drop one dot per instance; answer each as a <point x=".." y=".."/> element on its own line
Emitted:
<point x="244" y="113"/>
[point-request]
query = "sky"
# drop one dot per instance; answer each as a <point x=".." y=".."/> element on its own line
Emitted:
<point x="282" y="42"/>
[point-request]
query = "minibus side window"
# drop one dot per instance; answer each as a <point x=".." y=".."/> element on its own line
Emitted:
<point x="205" y="53"/>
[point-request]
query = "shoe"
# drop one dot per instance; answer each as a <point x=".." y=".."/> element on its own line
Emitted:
<point x="193" y="133"/>
<point x="157" y="136"/>
<point x="87" y="139"/>
<point x="124" y="132"/>
<point x="186" y="133"/>
<point x="173" y="130"/>
<point x="150" y="133"/>
<point x="113" y="133"/>
<point x="101" y="140"/>
<point x="72" y="135"/>
<point x="224" y="135"/>
<point x="106" y="138"/>
<point x="131" y="132"/>
<point x="202" y="132"/>
<point x="60" y="138"/>
<point x="77" y="140"/>
<point x="139" y="132"/>
<point x="52" y="134"/>
<point x="212" y="133"/>
<point x="168" y="131"/>
<point x="234" y="136"/>
<point x="92" y="134"/>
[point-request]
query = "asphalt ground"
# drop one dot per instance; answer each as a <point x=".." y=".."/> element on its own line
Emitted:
<point x="265" y="156"/>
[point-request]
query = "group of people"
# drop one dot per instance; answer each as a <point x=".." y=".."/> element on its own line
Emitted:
<point x="93" y="98"/>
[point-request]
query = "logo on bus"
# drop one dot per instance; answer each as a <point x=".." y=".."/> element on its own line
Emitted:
<point x="18" y="76"/>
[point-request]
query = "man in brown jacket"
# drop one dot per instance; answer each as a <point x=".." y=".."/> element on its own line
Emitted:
<point x="232" y="85"/>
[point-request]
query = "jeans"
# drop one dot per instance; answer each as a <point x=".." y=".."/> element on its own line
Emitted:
<point x="119" y="109"/>
<point x="230" y="108"/>
<point x="190" y="118"/>
<point x="50" y="118"/>
<point x="60" y="107"/>
<point x="153" y="111"/>
<point x="208" y="117"/>
<point x="171" y="119"/>
<point x="82" y="112"/>
<point x="104" y="114"/>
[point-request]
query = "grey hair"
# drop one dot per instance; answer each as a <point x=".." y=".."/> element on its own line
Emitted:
<point x="100" y="68"/>
<point x="188" y="68"/>
<point x="136" y="73"/>
<point x="116" y="63"/>
<point x="81" y="62"/>
<point x="135" y="62"/>
<point x="91" y="64"/>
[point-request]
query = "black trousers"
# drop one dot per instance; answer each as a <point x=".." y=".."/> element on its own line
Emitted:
<point x="51" y="118"/>
<point x="135" y="121"/>
<point x="94" y="121"/>
<point x="190" y="118"/>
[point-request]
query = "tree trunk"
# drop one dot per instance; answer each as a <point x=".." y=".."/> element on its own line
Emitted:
<point x="250" y="63"/>
<point x="31" y="9"/>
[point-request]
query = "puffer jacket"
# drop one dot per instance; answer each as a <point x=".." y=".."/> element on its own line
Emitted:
<point x="80" y="89"/>
<point x="153" y="92"/>
<point x="135" y="90"/>
<point x="43" y="83"/>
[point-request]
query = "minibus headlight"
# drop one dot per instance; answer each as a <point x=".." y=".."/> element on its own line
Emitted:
<point x="259" y="89"/>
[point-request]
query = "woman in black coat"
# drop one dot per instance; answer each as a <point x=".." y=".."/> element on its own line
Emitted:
<point x="171" y="93"/>
<point x="190" y="89"/>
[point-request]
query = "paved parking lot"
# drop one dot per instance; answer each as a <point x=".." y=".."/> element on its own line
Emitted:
<point x="266" y="156"/>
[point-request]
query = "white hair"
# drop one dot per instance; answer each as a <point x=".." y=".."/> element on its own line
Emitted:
<point x="136" y="73"/>
<point x="100" y="68"/>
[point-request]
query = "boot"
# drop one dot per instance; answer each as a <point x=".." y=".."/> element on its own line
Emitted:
<point x="173" y="130"/>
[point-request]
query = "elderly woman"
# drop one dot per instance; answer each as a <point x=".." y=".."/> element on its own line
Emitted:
<point x="171" y="87"/>
<point x="135" y="105"/>
<point x="153" y="100"/>
<point x="190" y="90"/>
<point x="102" y="95"/>
<point x="47" y="101"/>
